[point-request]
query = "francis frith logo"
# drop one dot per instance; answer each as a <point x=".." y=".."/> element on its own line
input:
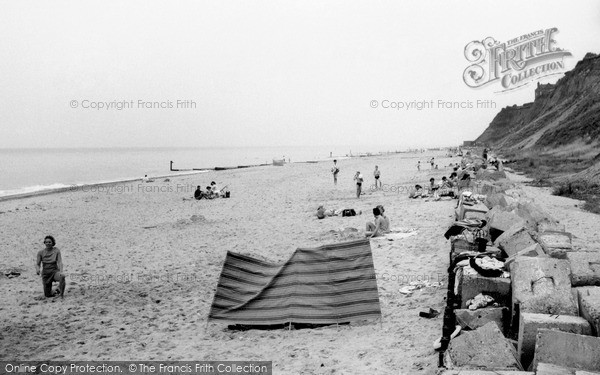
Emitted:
<point x="514" y="63"/>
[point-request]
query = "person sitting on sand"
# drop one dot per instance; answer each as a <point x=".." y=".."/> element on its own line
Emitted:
<point x="453" y="180"/>
<point x="52" y="267"/>
<point x="322" y="212"/>
<point x="433" y="187"/>
<point x="198" y="194"/>
<point x="215" y="190"/>
<point x="375" y="229"/>
<point x="418" y="193"/>
<point x="446" y="188"/>
<point x="385" y="225"/>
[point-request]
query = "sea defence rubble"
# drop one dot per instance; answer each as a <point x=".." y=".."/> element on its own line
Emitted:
<point x="529" y="300"/>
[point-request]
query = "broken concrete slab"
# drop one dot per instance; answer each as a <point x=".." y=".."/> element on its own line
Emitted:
<point x="473" y="319"/>
<point x="530" y="251"/>
<point x="589" y="306"/>
<point x="550" y="369"/>
<point x="471" y="284"/>
<point x="534" y="214"/>
<point x="515" y="239"/>
<point x="482" y="349"/>
<point x="483" y="372"/>
<point x="500" y="221"/>
<point x="549" y="226"/>
<point x="569" y="350"/>
<point x="585" y="268"/>
<point x="542" y="285"/>
<point x="555" y="244"/>
<point x="529" y="324"/>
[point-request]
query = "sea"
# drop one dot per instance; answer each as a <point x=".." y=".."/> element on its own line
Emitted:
<point x="28" y="170"/>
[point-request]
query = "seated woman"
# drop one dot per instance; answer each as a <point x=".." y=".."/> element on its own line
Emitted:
<point x="385" y="227"/>
<point x="376" y="228"/>
<point x="446" y="188"/>
<point x="418" y="193"/>
<point x="433" y="188"/>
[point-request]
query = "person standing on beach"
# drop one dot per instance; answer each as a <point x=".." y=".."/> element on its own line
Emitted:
<point x="377" y="174"/>
<point x="432" y="161"/>
<point x="52" y="267"/>
<point x="335" y="170"/>
<point x="419" y="165"/>
<point x="359" y="180"/>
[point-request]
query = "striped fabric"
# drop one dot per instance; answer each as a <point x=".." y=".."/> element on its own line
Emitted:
<point x="324" y="285"/>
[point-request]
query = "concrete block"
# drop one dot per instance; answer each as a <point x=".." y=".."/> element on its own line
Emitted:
<point x="534" y="214"/>
<point x="500" y="221"/>
<point x="482" y="349"/>
<point x="542" y="285"/>
<point x="569" y="350"/>
<point x="515" y="239"/>
<point x="585" y="268"/>
<point x="507" y="201"/>
<point x="489" y="188"/>
<point x="549" y="226"/>
<point x="493" y="200"/>
<point x="589" y="306"/>
<point x="549" y="369"/>
<point x="470" y="285"/>
<point x="530" y="251"/>
<point x="530" y="323"/>
<point x="473" y="319"/>
<point x="555" y="244"/>
<point x="483" y="372"/>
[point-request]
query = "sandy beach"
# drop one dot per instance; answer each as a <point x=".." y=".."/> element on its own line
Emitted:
<point x="143" y="264"/>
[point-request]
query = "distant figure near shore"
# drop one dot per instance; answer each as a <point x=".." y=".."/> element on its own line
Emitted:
<point x="52" y="267"/>
<point x="359" y="180"/>
<point x="419" y="165"/>
<point x="147" y="179"/>
<point x="377" y="174"/>
<point x="335" y="170"/>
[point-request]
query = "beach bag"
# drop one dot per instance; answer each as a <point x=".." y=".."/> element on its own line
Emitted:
<point x="349" y="212"/>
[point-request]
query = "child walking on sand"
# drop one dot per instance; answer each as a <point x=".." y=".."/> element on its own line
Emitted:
<point x="359" y="180"/>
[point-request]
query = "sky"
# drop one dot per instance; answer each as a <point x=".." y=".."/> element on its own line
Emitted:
<point x="262" y="73"/>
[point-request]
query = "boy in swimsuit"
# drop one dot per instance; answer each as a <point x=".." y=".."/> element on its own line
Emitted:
<point x="359" y="180"/>
<point x="377" y="173"/>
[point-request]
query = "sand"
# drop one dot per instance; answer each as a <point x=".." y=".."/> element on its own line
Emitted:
<point x="143" y="263"/>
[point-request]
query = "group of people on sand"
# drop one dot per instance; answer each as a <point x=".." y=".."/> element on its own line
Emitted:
<point x="447" y="187"/>
<point x="378" y="227"/>
<point x="358" y="178"/>
<point x="212" y="191"/>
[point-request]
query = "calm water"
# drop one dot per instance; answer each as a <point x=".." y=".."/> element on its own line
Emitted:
<point x="26" y="170"/>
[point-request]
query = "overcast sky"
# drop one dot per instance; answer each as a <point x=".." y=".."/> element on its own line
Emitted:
<point x="261" y="73"/>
